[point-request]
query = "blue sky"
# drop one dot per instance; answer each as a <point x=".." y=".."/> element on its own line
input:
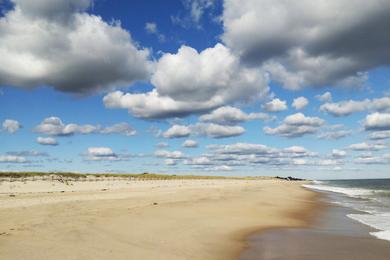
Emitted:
<point x="205" y="86"/>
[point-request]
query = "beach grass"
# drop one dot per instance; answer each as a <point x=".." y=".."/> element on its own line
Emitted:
<point x="141" y="176"/>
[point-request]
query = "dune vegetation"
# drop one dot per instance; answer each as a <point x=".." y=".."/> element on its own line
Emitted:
<point x="142" y="176"/>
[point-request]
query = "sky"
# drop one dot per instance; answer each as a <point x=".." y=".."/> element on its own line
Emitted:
<point x="208" y="87"/>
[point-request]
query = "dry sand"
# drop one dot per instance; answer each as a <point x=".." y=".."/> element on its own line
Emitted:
<point x="175" y="219"/>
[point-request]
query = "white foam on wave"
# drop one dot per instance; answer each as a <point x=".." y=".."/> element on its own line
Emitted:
<point x="352" y="192"/>
<point x="376" y="208"/>
<point x="379" y="221"/>
<point x="385" y="235"/>
<point x="357" y="206"/>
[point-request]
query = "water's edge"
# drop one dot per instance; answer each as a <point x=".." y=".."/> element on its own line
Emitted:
<point x="336" y="221"/>
<point x="370" y="201"/>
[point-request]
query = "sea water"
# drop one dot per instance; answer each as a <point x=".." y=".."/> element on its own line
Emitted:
<point x="370" y="196"/>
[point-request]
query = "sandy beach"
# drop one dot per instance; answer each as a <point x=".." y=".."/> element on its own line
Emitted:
<point x="154" y="219"/>
<point x="194" y="130"/>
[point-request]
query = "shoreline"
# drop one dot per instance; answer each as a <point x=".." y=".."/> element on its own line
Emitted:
<point x="307" y="215"/>
<point x="190" y="219"/>
<point x="330" y="235"/>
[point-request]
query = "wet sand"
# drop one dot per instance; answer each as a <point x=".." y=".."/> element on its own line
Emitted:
<point x="332" y="235"/>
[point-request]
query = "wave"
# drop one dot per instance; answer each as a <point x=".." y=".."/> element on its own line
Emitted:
<point x="379" y="221"/>
<point x="351" y="192"/>
<point x="374" y="204"/>
<point x="382" y="193"/>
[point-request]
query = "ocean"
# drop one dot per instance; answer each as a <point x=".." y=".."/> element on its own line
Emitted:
<point x="369" y="197"/>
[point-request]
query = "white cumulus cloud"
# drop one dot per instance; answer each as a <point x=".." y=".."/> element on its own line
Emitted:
<point x="57" y="43"/>
<point x="300" y="103"/>
<point x="380" y="134"/>
<point x="296" y="125"/>
<point x="326" y="97"/>
<point x="12" y="159"/>
<point x="217" y="131"/>
<point x="367" y="146"/>
<point x="120" y="128"/>
<point x="336" y="153"/>
<point x="309" y="43"/>
<point x="377" y="121"/>
<point x="177" y="131"/>
<point x="190" y="81"/>
<point x="228" y="115"/>
<point x="275" y="105"/>
<point x="344" y="108"/>
<point x="190" y="143"/>
<point x="46" y="140"/>
<point x="100" y="154"/>
<point x="11" y="126"/>
<point x="169" y="154"/>
<point x="54" y="126"/>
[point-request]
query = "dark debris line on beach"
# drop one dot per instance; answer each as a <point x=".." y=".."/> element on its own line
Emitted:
<point x="289" y="178"/>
